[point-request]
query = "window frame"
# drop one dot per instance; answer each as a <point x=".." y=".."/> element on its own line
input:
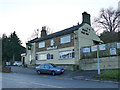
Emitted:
<point x="65" y="39"/>
<point x="39" y="56"/>
<point x="42" y="44"/>
<point x="68" y="54"/>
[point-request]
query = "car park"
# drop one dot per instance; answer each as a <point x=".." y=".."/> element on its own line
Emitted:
<point x="49" y="68"/>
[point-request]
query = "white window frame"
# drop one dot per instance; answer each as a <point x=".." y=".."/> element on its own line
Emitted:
<point x="41" y="44"/>
<point x="42" y="56"/>
<point x="63" y="53"/>
<point x="65" y="39"/>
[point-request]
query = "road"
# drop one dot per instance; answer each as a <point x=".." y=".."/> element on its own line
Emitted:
<point x="17" y="80"/>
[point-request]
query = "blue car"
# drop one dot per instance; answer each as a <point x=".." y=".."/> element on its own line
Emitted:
<point x="49" y="68"/>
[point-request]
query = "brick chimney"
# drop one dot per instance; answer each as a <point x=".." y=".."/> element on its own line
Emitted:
<point x="43" y="31"/>
<point x="86" y="18"/>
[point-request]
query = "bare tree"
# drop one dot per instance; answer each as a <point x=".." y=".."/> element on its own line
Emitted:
<point x="108" y="20"/>
<point x="48" y="30"/>
<point x="37" y="33"/>
<point x="34" y="35"/>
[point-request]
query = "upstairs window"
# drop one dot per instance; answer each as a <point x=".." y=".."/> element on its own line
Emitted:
<point x="41" y="44"/>
<point x="65" y="39"/>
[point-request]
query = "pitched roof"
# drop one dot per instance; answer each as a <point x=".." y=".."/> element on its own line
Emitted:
<point x="59" y="33"/>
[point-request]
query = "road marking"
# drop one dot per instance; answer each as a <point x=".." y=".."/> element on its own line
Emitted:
<point x="33" y="83"/>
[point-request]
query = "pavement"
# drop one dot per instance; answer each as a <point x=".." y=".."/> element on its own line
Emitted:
<point x="72" y="75"/>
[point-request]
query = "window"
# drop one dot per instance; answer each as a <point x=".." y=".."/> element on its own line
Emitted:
<point x="46" y="66"/>
<point x="42" y="66"/>
<point x="49" y="56"/>
<point x="52" y="42"/>
<point x="42" y="56"/>
<point x="65" y="39"/>
<point x="66" y="54"/>
<point x="36" y="57"/>
<point x="41" y="44"/>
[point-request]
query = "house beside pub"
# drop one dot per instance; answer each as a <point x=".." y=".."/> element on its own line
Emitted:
<point x="62" y="47"/>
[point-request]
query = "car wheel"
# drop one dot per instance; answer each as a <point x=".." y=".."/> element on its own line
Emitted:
<point x="38" y="72"/>
<point x="53" y="73"/>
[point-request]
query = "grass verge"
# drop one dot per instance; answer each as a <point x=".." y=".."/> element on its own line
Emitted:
<point x="110" y="74"/>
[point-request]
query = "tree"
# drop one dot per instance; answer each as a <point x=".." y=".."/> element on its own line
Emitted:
<point x="5" y="49"/>
<point x="49" y="31"/>
<point x="11" y="48"/>
<point x="37" y="33"/>
<point x="108" y="37"/>
<point x="108" y="20"/>
<point x="16" y="46"/>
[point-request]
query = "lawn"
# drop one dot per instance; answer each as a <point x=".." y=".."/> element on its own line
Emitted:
<point x="110" y="74"/>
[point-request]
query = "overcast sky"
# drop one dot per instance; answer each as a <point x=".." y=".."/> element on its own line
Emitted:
<point x="25" y="16"/>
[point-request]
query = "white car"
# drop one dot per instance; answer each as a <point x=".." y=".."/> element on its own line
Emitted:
<point x="17" y="63"/>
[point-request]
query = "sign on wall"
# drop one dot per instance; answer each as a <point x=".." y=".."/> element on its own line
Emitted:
<point x="94" y="48"/>
<point x="112" y="51"/>
<point x="118" y="45"/>
<point x="102" y="47"/>
<point x="85" y="50"/>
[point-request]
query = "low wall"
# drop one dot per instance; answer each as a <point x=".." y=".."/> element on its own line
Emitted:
<point x="105" y="63"/>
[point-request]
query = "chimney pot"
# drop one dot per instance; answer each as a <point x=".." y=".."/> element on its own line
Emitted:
<point x="86" y="18"/>
<point x="43" y="31"/>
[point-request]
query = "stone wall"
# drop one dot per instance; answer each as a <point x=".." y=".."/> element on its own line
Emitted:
<point x="105" y="63"/>
<point x="69" y="67"/>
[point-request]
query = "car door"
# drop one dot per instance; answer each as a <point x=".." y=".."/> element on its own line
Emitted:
<point x="42" y="67"/>
<point x="47" y="69"/>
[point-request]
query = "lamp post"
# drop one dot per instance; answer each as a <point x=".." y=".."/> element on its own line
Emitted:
<point x="98" y="59"/>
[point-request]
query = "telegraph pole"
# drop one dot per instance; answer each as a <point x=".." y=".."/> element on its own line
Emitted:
<point x="98" y="59"/>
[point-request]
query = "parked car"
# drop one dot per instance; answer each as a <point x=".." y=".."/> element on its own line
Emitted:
<point x="49" y="68"/>
<point x="17" y="63"/>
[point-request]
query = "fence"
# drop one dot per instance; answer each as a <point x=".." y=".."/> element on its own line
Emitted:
<point x="105" y="50"/>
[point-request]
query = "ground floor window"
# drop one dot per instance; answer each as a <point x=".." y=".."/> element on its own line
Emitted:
<point x="66" y="54"/>
<point x="42" y="56"/>
<point x="49" y="56"/>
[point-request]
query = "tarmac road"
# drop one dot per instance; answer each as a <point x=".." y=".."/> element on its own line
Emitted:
<point x="33" y="80"/>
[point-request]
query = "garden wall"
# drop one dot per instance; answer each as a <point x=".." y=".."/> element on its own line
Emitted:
<point x="109" y="56"/>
